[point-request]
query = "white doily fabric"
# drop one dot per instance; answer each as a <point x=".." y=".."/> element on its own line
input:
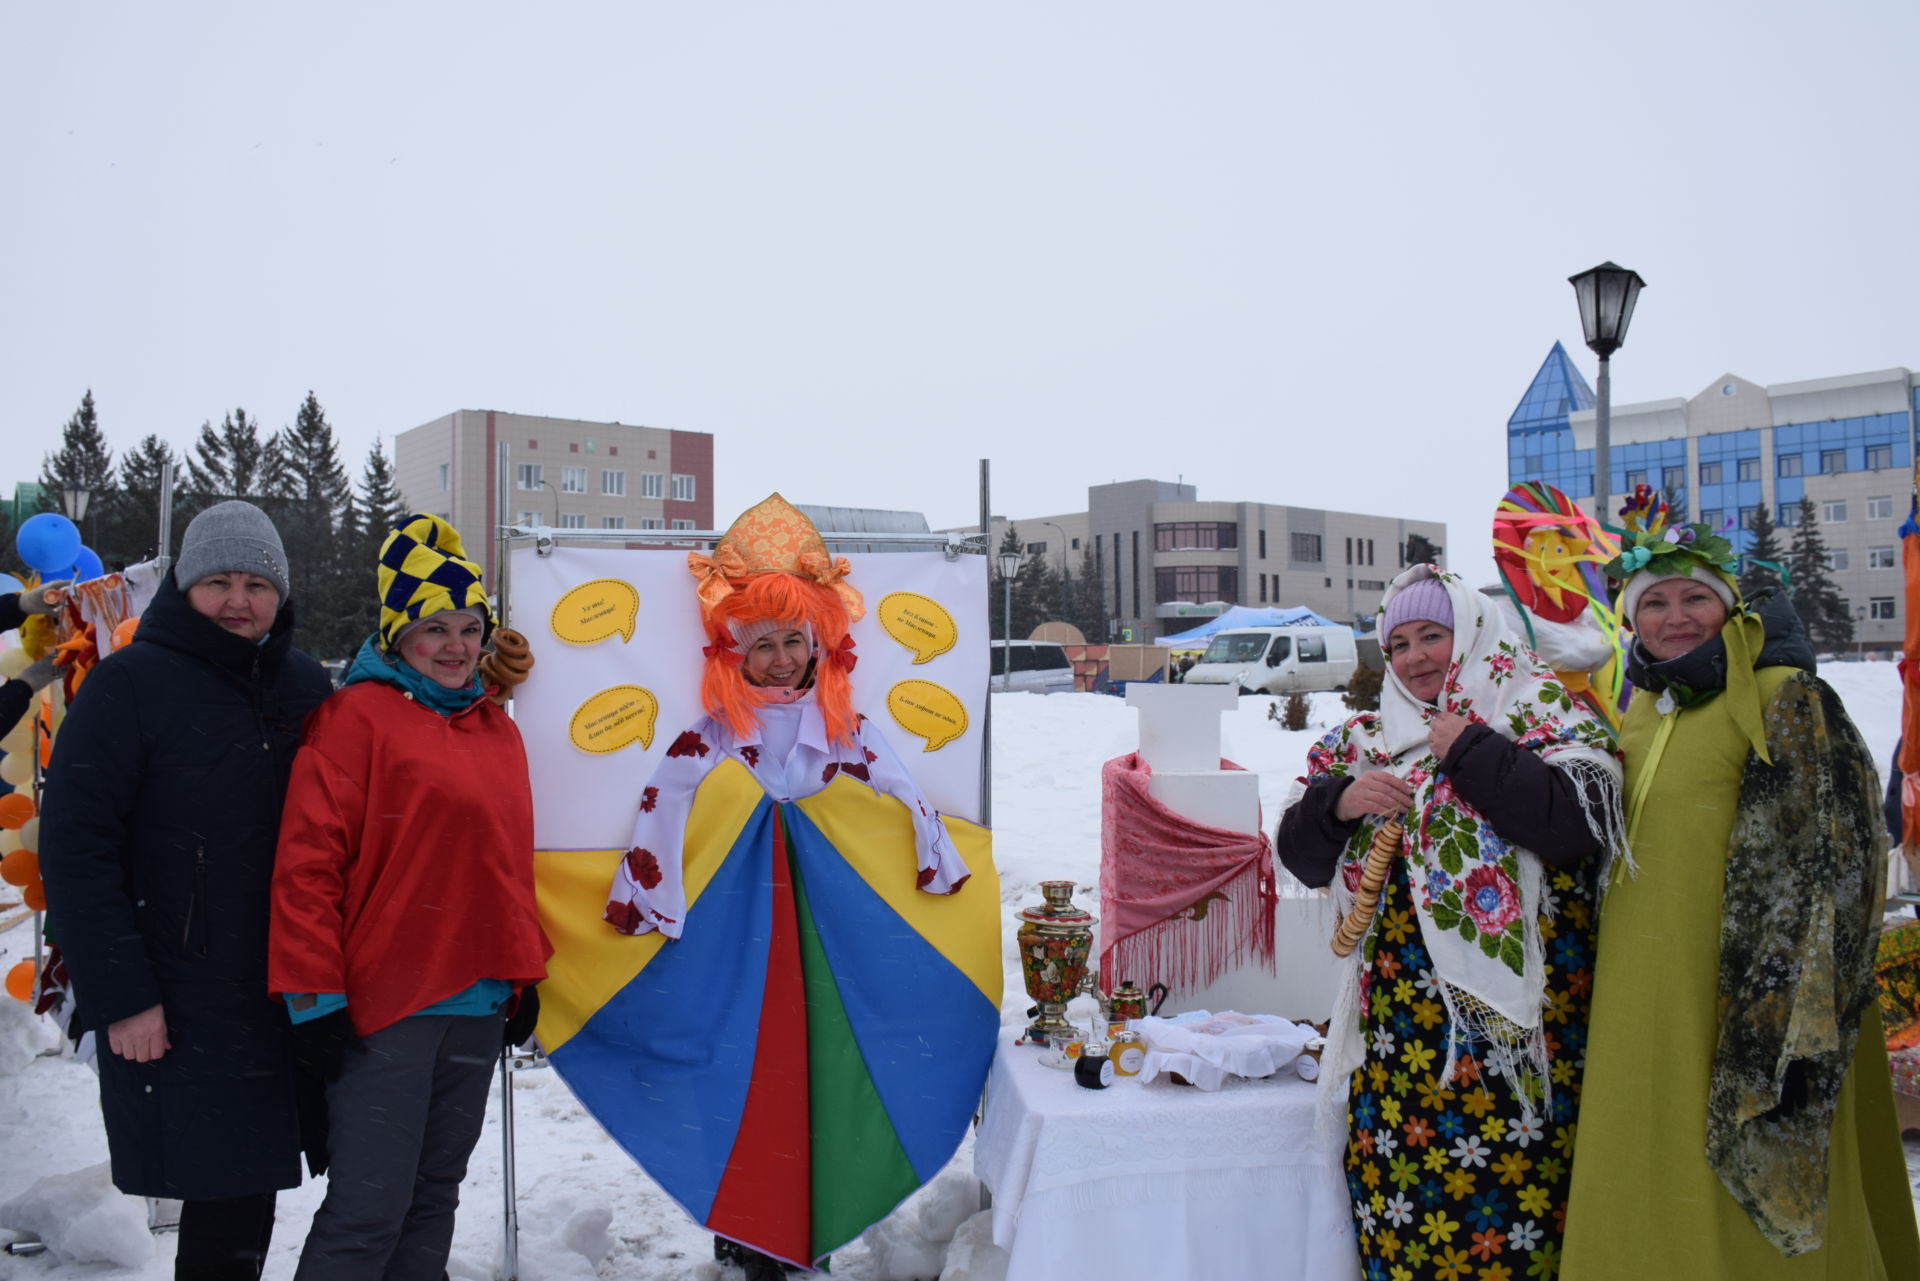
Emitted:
<point x="1209" y="1052"/>
<point x="1159" y="1180"/>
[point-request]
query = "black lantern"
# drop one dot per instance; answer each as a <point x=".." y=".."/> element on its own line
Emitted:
<point x="1606" y="294"/>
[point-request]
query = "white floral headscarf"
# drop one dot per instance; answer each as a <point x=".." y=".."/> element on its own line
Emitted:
<point x="1478" y="897"/>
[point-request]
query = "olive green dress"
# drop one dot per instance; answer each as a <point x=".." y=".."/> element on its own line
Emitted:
<point x="1644" y="1203"/>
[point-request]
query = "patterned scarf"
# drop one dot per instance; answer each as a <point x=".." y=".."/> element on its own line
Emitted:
<point x="1477" y="897"/>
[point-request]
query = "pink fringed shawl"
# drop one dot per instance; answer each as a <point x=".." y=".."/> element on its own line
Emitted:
<point x="1180" y="903"/>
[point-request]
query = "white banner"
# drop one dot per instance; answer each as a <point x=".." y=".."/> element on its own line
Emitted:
<point x="617" y="643"/>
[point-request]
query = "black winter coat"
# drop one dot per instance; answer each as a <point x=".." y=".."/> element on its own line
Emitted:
<point x="16" y="695"/>
<point x="162" y="810"/>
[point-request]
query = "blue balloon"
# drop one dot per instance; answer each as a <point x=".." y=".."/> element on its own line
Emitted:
<point x="11" y="586"/>
<point x="48" y="542"/>
<point x="87" y="565"/>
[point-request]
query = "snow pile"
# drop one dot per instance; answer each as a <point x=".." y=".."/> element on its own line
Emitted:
<point x="82" y="1218"/>
<point x="23" y="1035"/>
<point x="911" y="1243"/>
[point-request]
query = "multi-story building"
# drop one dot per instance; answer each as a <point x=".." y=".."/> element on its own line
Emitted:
<point x="1737" y="447"/>
<point x="562" y="473"/>
<point x="1163" y="556"/>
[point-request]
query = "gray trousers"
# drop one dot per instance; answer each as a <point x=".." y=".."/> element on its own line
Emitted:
<point x="402" y="1120"/>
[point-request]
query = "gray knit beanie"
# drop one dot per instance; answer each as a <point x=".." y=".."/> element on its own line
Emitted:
<point x="231" y="537"/>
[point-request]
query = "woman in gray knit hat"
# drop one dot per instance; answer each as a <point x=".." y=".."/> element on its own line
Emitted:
<point x="161" y="814"/>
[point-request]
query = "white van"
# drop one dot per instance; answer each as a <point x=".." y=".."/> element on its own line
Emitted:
<point x="1277" y="660"/>
<point x="1038" y="667"/>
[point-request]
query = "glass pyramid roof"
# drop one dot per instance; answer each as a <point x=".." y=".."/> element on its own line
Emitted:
<point x="1556" y="391"/>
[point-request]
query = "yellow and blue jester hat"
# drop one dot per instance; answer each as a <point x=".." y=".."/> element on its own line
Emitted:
<point x="423" y="570"/>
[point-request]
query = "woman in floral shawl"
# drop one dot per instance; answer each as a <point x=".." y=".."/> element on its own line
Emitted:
<point x="1457" y="1038"/>
<point x="1738" y="1118"/>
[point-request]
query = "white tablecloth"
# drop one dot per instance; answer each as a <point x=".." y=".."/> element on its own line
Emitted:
<point x="1159" y="1180"/>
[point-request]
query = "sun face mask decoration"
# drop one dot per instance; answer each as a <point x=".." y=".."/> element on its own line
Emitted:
<point x="1551" y="556"/>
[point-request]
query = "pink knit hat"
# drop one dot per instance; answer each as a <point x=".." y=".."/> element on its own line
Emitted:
<point x="1423" y="599"/>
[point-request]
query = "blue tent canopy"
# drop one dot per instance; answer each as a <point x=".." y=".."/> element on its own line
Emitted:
<point x="1242" y="616"/>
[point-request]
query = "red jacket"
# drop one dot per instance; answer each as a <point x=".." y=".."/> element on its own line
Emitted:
<point x="405" y="866"/>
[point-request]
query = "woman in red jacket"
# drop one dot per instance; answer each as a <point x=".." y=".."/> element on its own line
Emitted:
<point x="403" y="911"/>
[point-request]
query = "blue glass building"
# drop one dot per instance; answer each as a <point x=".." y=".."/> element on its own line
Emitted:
<point x="1722" y="454"/>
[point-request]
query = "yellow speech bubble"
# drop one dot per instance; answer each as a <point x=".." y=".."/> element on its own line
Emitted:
<point x="921" y="625"/>
<point x="615" y="718"/>
<point x="595" y="610"/>
<point x="928" y="711"/>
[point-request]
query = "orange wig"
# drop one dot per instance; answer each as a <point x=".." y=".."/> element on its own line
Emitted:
<point x="771" y="567"/>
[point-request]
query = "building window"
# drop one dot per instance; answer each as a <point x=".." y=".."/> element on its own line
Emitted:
<point x="613" y="522"/>
<point x="1349" y="551"/>
<point x="444" y="469"/>
<point x="1789" y="516"/>
<point x="1076" y="544"/>
<point x="573" y="520"/>
<point x="1838" y="560"/>
<point x="1714" y="519"/>
<point x="1879" y="457"/>
<point x="1196" y="583"/>
<point x="1263" y="587"/>
<point x="1880" y="508"/>
<point x="683" y="524"/>
<point x="614" y="485"/>
<point x="1635" y="479"/>
<point x="1746" y="516"/>
<point x="1306" y="547"/>
<point x="1036" y="549"/>
<point x="1263" y="544"/>
<point x="1190" y="535"/>
<point x="1833" y="511"/>
<point x="530" y="520"/>
<point x="1373" y="585"/>
<point x="1673" y="478"/>
<point x="652" y="485"/>
<point x="652" y="522"/>
<point x="1709" y="473"/>
<point x="1788" y="465"/>
<point x="682" y="491"/>
<point x="1749" y="469"/>
<point x="530" y="476"/>
<point x="1880" y="608"/>
<point x="1832" y="461"/>
<point x="573" y="480"/>
<point x="1879" y="558"/>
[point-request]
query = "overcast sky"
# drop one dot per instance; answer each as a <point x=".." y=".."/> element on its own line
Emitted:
<point x="1294" y="253"/>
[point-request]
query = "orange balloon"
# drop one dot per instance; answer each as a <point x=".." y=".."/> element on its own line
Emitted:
<point x="123" y="634"/>
<point x="20" y="867"/>
<point x="20" y="981"/>
<point x="15" y="809"/>
<point x="35" y="896"/>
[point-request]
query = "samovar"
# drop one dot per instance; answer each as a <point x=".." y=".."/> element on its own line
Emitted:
<point x="1055" y="942"/>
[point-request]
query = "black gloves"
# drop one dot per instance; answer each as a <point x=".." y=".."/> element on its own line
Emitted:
<point x="525" y="1014"/>
<point x="321" y="1045"/>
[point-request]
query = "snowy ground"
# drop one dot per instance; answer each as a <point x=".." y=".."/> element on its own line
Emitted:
<point x="585" y="1211"/>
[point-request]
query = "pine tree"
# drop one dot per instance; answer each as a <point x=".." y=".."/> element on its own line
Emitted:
<point x="1422" y="550"/>
<point x="136" y="528"/>
<point x="233" y="462"/>
<point x="1760" y="563"/>
<point x="1089" y="599"/>
<point x="83" y="461"/>
<point x="380" y="503"/>
<point x="1821" y="606"/>
<point x="308" y="494"/>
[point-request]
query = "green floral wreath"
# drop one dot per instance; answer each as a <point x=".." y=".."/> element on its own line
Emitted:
<point x="1673" y="551"/>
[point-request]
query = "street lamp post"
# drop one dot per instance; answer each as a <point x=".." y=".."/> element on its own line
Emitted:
<point x="1009" y="566"/>
<point x="1606" y="295"/>
<point x="74" y="500"/>
<point x="1063" y="566"/>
